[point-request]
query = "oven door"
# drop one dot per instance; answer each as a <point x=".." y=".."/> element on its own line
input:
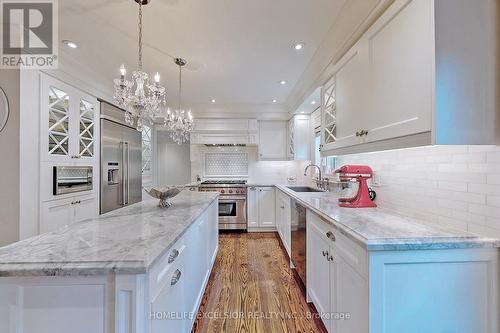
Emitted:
<point x="232" y="214"/>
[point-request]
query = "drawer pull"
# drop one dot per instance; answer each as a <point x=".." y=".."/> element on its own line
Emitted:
<point x="175" y="277"/>
<point x="331" y="236"/>
<point x="173" y="255"/>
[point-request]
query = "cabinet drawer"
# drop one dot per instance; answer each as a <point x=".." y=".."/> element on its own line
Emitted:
<point x="160" y="276"/>
<point x="351" y="253"/>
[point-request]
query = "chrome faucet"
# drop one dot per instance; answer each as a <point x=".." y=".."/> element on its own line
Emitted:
<point x="313" y="165"/>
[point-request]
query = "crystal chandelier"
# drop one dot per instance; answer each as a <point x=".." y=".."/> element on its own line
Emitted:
<point x="179" y="122"/>
<point x="142" y="104"/>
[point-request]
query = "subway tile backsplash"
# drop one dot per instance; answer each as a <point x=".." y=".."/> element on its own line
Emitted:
<point x="457" y="186"/>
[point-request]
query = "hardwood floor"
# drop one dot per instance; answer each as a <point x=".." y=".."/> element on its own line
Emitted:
<point x="252" y="289"/>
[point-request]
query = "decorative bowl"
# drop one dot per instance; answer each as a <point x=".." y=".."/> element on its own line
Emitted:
<point x="164" y="194"/>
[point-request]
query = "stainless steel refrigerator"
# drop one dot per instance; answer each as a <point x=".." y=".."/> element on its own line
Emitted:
<point x="121" y="160"/>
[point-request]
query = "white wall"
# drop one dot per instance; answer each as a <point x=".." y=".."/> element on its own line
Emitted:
<point x="259" y="172"/>
<point x="9" y="165"/>
<point x="173" y="162"/>
<point x="457" y="186"/>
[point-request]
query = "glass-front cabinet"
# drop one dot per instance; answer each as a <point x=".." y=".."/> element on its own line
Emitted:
<point x="328" y="115"/>
<point x="69" y="119"/>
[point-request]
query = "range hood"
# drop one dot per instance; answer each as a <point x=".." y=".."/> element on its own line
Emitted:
<point x="225" y="145"/>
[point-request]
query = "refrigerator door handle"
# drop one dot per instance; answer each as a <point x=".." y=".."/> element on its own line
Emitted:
<point x="123" y="194"/>
<point x="128" y="173"/>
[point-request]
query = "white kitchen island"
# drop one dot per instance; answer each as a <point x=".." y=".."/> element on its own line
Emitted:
<point x="135" y="270"/>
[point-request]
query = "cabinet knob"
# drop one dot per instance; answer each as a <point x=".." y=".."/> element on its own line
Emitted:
<point x="173" y="255"/>
<point x="175" y="277"/>
<point x="331" y="236"/>
<point x="329" y="258"/>
<point x="325" y="253"/>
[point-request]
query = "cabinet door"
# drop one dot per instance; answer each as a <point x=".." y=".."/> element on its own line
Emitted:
<point x="272" y="141"/>
<point x="349" y="298"/>
<point x="87" y="115"/>
<point x="286" y="221"/>
<point x="279" y="216"/>
<point x="170" y="301"/>
<point x="196" y="261"/>
<point x="344" y="101"/>
<point x="401" y="58"/>
<point x="56" y="123"/>
<point x="291" y="139"/>
<point x="267" y="210"/>
<point x="85" y="208"/>
<point x="253" y="207"/>
<point x="318" y="272"/>
<point x="56" y="214"/>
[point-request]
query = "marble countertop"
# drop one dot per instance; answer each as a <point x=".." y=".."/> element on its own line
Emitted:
<point x="379" y="229"/>
<point x="126" y="241"/>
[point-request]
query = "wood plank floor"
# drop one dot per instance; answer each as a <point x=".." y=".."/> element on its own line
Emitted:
<point x="252" y="289"/>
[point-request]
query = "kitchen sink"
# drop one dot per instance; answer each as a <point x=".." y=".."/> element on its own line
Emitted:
<point x="303" y="189"/>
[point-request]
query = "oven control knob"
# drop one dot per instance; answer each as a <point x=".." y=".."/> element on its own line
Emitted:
<point x="230" y="191"/>
<point x="222" y="191"/>
<point x="236" y="191"/>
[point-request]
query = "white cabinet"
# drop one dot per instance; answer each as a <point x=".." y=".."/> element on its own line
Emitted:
<point x="56" y="214"/>
<point x="69" y="123"/>
<point x="318" y="272"/>
<point x="267" y="210"/>
<point x="299" y="138"/>
<point x="400" y="49"/>
<point x="398" y="86"/>
<point x="178" y="281"/>
<point x="273" y="140"/>
<point x="261" y="210"/>
<point x="380" y="291"/>
<point x="283" y="219"/>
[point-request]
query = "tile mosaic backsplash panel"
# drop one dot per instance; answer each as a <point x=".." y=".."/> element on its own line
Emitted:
<point x="226" y="164"/>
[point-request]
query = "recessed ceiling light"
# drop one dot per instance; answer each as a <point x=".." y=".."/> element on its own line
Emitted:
<point x="313" y="102"/>
<point x="70" y="44"/>
<point x="282" y="82"/>
<point x="213" y="101"/>
<point x="274" y="101"/>
<point x="298" y="46"/>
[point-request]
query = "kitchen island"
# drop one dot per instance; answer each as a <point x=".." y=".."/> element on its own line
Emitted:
<point x="375" y="270"/>
<point x="139" y="269"/>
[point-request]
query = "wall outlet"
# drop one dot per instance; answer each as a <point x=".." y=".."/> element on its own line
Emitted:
<point x="376" y="180"/>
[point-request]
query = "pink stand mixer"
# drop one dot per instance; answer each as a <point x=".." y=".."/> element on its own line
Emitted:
<point x="360" y="173"/>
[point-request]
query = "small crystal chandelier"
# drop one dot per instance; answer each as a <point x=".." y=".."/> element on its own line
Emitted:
<point x="143" y="104"/>
<point x="179" y="122"/>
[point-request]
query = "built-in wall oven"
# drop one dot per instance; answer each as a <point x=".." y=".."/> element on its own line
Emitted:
<point x="71" y="179"/>
<point x="232" y="203"/>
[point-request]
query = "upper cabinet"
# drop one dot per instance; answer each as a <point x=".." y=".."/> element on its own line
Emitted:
<point x="68" y="123"/>
<point x="273" y="140"/>
<point x="405" y="84"/>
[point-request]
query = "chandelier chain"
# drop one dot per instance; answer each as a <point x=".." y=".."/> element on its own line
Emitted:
<point x="180" y="87"/>
<point x="140" y="34"/>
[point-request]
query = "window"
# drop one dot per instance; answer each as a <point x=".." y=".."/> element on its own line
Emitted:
<point x="328" y="163"/>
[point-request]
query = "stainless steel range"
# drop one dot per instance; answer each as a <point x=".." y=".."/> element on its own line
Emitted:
<point x="232" y="202"/>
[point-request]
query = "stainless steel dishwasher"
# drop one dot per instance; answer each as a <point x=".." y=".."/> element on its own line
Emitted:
<point x="299" y="254"/>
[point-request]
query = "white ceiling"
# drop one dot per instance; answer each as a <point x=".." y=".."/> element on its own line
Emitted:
<point x="238" y="50"/>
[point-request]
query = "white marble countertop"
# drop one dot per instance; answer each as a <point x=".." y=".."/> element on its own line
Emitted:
<point x="125" y="241"/>
<point x="378" y="229"/>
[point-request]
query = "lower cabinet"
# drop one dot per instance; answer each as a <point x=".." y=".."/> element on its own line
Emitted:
<point x="411" y="291"/>
<point x="178" y="281"/>
<point x="58" y="213"/>
<point x="261" y="210"/>
<point x="283" y="219"/>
